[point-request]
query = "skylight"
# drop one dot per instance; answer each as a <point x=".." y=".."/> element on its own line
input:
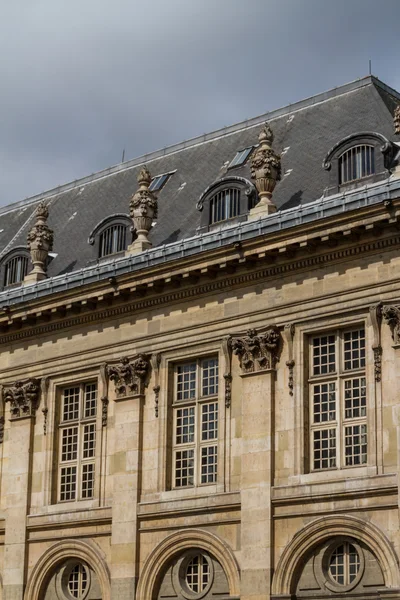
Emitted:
<point x="241" y="157"/>
<point x="159" y="181"/>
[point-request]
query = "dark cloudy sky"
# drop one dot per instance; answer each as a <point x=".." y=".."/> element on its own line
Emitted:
<point x="82" y="79"/>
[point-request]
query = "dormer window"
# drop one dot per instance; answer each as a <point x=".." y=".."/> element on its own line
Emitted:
<point x="111" y="236"/>
<point x="112" y="240"/>
<point x="241" y="157"/>
<point x="15" y="269"/>
<point x="225" y="205"/>
<point x="159" y="181"/>
<point x="356" y="163"/>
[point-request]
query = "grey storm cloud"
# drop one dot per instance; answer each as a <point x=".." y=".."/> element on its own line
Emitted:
<point x="82" y="80"/>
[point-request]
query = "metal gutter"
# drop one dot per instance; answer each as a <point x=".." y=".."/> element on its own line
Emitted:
<point x="224" y="236"/>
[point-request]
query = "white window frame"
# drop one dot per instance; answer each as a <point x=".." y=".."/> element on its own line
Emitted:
<point x="198" y="401"/>
<point x="339" y="423"/>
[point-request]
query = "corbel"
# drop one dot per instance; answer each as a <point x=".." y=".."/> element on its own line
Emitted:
<point x="44" y="387"/>
<point x="155" y="365"/>
<point x="227" y="350"/>
<point x="290" y="363"/>
<point x="104" y="394"/>
<point x="375" y="312"/>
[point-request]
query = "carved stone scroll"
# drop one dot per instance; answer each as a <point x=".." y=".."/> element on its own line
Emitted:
<point x="375" y="312"/>
<point x="227" y="350"/>
<point x="391" y="315"/>
<point x="290" y="363"/>
<point x="104" y="394"/>
<point x="44" y="386"/>
<point x="257" y="351"/>
<point x="129" y="375"/>
<point x="155" y="364"/>
<point x="23" y="397"/>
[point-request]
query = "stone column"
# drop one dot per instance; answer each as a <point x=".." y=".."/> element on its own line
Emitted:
<point x="257" y="354"/>
<point x="23" y="397"/>
<point x="128" y="377"/>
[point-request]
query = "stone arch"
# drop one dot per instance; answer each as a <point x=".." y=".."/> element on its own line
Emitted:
<point x="323" y="528"/>
<point x="179" y="542"/>
<point x="61" y="551"/>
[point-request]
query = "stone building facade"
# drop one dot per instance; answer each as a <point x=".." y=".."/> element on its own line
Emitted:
<point x="199" y="368"/>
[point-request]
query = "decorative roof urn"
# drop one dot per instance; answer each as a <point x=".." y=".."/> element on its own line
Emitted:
<point x="40" y="243"/>
<point x="266" y="172"/>
<point x="396" y="119"/>
<point x="143" y="210"/>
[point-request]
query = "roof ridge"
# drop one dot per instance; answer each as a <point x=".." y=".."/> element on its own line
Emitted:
<point x="229" y="130"/>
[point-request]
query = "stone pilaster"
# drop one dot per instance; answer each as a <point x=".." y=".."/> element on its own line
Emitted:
<point x="129" y="379"/>
<point x="23" y="398"/>
<point x="257" y="354"/>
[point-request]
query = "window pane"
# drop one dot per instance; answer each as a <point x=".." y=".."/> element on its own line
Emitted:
<point x="355" y="400"/>
<point x="186" y="381"/>
<point x="184" y="468"/>
<point x="355" y="439"/>
<point x="71" y="404"/>
<point x="356" y="163"/>
<point x="69" y="444"/>
<point x="90" y="400"/>
<point x="209" y="421"/>
<point x="354" y="349"/>
<point x="88" y="480"/>
<point x="15" y="270"/>
<point x="185" y="423"/>
<point x="210" y="377"/>
<point x="68" y="483"/>
<point x="89" y="440"/>
<point x="77" y="581"/>
<point x="225" y="205"/>
<point x="325" y="449"/>
<point x="324" y="355"/>
<point x="324" y="402"/>
<point x="209" y="464"/>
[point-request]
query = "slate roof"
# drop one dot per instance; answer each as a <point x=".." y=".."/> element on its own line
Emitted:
<point x="305" y="131"/>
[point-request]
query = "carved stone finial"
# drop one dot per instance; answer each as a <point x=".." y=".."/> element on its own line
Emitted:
<point x="396" y="119"/>
<point x="266" y="172"/>
<point x="23" y="397"/>
<point x="391" y="314"/>
<point x="257" y="352"/>
<point x="129" y="376"/>
<point x="143" y="209"/>
<point x="40" y="243"/>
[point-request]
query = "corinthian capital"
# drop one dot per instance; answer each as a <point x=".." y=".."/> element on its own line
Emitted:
<point x="129" y="375"/>
<point x="257" y="352"/>
<point x="391" y="314"/>
<point x="23" y="397"/>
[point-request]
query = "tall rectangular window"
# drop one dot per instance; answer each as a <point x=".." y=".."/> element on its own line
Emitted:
<point x="77" y="442"/>
<point x="195" y="430"/>
<point x="338" y="400"/>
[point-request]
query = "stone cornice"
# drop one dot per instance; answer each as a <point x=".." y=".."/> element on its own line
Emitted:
<point x="83" y="311"/>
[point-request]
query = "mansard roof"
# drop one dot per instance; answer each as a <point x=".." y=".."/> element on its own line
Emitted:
<point x="304" y="133"/>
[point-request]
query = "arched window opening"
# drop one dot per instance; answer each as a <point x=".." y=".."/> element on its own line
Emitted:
<point x="225" y="205"/>
<point x="15" y="270"/>
<point x="112" y="240"/>
<point x="356" y="163"/>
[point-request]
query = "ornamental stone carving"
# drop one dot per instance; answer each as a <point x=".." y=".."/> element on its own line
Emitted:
<point x="396" y="119"/>
<point x="266" y="172"/>
<point x="23" y="397"/>
<point x="143" y="210"/>
<point x="40" y="243"/>
<point x="129" y="376"/>
<point x="257" y="352"/>
<point x="391" y="314"/>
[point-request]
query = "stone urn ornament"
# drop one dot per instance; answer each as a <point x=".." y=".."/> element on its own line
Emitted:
<point x="266" y="172"/>
<point x="40" y="243"/>
<point x="143" y="210"/>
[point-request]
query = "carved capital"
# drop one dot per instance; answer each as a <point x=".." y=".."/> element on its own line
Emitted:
<point x="129" y="375"/>
<point x="23" y="397"/>
<point x="257" y="352"/>
<point x="391" y="314"/>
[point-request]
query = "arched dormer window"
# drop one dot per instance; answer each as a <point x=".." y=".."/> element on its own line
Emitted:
<point x="111" y="235"/>
<point x="358" y="159"/>
<point x="227" y="199"/>
<point x="14" y="266"/>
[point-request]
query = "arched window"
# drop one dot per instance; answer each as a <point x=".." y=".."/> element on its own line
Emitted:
<point x="15" y="269"/>
<point x="112" y="240"/>
<point x="356" y="163"/>
<point x="225" y="205"/>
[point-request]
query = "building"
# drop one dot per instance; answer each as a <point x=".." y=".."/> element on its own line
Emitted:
<point x="207" y="405"/>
